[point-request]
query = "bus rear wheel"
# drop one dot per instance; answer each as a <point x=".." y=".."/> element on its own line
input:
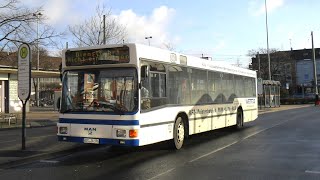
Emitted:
<point x="178" y="133"/>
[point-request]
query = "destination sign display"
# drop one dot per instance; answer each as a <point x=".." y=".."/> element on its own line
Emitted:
<point x="117" y="55"/>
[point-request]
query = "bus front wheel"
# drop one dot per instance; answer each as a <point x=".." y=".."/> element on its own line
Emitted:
<point x="178" y="133"/>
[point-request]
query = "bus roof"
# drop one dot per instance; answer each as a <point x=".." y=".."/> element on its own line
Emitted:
<point x="162" y="55"/>
<point x="166" y="56"/>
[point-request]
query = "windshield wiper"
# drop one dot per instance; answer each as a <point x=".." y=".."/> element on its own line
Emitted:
<point x="114" y="107"/>
<point x="67" y="110"/>
<point x="119" y="110"/>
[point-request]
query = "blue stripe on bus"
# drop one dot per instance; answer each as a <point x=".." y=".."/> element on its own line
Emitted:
<point x="102" y="122"/>
<point x="103" y="112"/>
<point x="132" y="142"/>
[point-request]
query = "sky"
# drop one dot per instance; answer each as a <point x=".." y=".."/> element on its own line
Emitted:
<point x="222" y="29"/>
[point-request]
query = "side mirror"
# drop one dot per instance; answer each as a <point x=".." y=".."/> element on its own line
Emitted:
<point x="60" y="69"/>
<point x="58" y="103"/>
<point x="144" y="71"/>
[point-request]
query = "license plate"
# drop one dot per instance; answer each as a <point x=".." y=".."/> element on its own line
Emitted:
<point x="91" y="141"/>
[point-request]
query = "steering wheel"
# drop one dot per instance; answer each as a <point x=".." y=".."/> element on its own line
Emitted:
<point x="94" y="103"/>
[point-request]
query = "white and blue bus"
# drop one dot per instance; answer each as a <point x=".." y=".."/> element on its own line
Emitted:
<point x="134" y="95"/>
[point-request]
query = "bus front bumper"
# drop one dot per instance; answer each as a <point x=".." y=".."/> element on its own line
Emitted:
<point x="118" y="142"/>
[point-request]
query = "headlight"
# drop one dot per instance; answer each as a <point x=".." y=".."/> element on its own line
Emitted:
<point x="63" y="130"/>
<point x="121" y="133"/>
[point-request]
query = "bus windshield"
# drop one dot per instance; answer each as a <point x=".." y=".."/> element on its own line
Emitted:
<point x="100" y="90"/>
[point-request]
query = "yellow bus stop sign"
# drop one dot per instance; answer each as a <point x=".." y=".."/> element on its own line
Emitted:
<point x="24" y="72"/>
<point x="24" y="52"/>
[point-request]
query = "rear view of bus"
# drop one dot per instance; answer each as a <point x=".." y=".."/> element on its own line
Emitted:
<point x="99" y="99"/>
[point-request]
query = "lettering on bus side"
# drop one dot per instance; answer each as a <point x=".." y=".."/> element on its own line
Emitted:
<point x="201" y="111"/>
<point x="250" y="101"/>
<point x="210" y="111"/>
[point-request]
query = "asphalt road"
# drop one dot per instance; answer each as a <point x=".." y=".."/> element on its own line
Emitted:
<point x="11" y="139"/>
<point x="280" y="145"/>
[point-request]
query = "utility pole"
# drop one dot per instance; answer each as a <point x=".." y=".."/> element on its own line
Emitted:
<point x="314" y="65"/>
<point x="38" y="59"/>
<point x="265" y="5"/>
<point x="104" y="29"/>
<point x="258" y="55"/>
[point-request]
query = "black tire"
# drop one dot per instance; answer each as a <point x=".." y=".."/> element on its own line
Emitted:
<point x="239" y="124"/>
<point x="178" y="133"/>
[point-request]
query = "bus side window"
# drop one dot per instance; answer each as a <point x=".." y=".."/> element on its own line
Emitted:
<point x="144" y="71"/>
<point x="145" y="88"/>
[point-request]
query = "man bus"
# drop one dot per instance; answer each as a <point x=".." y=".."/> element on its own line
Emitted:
<point x="134" y="95"/>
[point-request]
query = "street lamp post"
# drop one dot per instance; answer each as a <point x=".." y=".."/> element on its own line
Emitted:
<point x="314" y="65"/>
<point x="38" y="55"/>
<point x="148" y="38"/>
<point x="265" y="5"/>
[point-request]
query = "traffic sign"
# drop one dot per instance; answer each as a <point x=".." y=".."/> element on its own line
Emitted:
<point x="24" y="72"/>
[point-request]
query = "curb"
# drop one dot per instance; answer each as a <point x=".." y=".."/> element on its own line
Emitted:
<point x="271" y="110"/>
<point x="47" y="155"/>
<point x="30" y="125"/>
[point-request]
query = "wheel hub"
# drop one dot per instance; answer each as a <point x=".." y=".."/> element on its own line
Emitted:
<point x="180" y="132"/>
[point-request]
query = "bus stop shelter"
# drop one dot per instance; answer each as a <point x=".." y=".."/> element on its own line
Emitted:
<point x="270" y="95"/>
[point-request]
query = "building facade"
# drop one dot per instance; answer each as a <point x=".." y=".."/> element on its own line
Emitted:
<point x="48" y="74"/>
<point x="294" y="69"/>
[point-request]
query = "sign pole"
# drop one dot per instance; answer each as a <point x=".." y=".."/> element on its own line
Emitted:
<point x="23" y="142"/>
<point x="24" y="84"/>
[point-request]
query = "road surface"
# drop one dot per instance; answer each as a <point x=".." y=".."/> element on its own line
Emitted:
<point x="279" y="145"/>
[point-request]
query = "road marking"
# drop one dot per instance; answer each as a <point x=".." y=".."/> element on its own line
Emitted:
<point x="253" y="134"/>
<point x="312" y="172"/>
<point x="39" y="137"/>
<point x="35" y="137"/>
<point x="8" y="141"/>
<point x="162" y="173"/>
<point x="49" y="161"/>
<point x="212" y="152"/>
<point x="224" y="147"/>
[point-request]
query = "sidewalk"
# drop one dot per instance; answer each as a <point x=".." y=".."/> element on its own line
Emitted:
<point x="282" y="108"/>
<point x="34" y="119"/>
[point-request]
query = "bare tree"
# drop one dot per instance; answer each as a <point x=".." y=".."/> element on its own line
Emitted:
<point x="91" y="32"/>
<point x="169" y="46"/>
<point x="282" y="66"/>
<point x="18" y="25"/>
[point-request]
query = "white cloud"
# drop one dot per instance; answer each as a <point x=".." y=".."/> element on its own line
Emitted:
<point x="155" y="25"/>
<point x="61" y="13"/>
<point x="57" y="11"/>
<point x="257" y="8"/>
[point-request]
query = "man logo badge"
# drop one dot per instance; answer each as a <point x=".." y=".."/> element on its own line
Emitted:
<point x="90" y="130"/>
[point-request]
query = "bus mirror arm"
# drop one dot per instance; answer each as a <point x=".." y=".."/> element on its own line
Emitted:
<point x="60" y="70"/>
